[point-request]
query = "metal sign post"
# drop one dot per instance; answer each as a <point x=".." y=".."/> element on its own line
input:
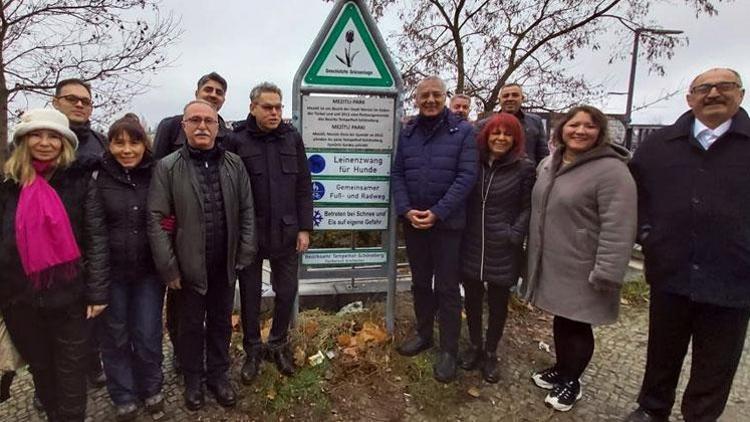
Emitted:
<point x="347" y="106"/>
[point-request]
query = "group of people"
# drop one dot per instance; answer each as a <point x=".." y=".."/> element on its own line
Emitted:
<point x="95" y="228"/>
<point x="483" y="212"/>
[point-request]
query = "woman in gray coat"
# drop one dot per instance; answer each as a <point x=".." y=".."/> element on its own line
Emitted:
<point x="582" y="229"/>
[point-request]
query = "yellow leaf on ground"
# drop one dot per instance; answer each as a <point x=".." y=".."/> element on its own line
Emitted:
<point x="271" y="394"/>
<point x="235" y="322"/>
<point x="299" y="356"/>
<point x="310" y="328"/>
<point x="473" y="392"/>
<point x="265" y="329"/>
<point x="352" y="352"/>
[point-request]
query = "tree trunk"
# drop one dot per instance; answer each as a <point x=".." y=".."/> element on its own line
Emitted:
<point x="3" y="119"/>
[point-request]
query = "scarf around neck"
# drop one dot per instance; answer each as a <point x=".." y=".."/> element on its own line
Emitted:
<point x="44" y="237"/>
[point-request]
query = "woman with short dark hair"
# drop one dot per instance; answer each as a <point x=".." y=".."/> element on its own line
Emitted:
<point x="497" y="222"/>
<point x="45" y="238"/>
<point x="132" y="336"/>
<point x="581" y="235"/>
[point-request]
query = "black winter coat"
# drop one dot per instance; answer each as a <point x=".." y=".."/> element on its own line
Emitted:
<point x="282" y="186"/>
<point x="72" y="185"/>
<point x="122" y="195"/>
<point x="170" y="137"/>
<point x="91" y="146"/>
<point x="694" y="212"/>
<point x="499" y="208"/>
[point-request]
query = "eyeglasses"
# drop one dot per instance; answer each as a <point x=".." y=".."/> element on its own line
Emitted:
<point x="271" y="107"/>
<point x="722" y="87"/>
<point x="74" y="99"/>
<point x="196" y="121"/>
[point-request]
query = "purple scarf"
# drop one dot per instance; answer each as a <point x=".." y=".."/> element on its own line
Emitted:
<point x="46" y="244"/>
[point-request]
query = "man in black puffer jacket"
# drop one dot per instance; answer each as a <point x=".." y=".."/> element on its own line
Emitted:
<point x="208" y="191"/>
<point x="274" y="156"/>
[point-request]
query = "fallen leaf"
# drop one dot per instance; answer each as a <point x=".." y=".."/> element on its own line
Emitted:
<point x="271" y="394"/>
<point x="299" y="356"/>
<point x="473" y="392"/>
<point x="310" y="328"/>
<point x="344" y="340"/>
<point x="235" y="322"/>
<point x="624" y="301"/>
<point x="352" y="351"/>
<point x="265" y="329"/>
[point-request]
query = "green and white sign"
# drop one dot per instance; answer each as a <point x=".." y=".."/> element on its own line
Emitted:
<point x="343" y="191"/>
<point x="349" y="56"/>
<point x="345" y="257"/>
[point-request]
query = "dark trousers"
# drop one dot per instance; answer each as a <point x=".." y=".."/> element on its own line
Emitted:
<point x="131" y="340"/>
<point x="94" y="359"/>
<point x="718" y="335"/>
<point x="284" y="282"/>
<point x="171" y="320"/>
<point x="205" y="329"/>
<point x="54" y="343"/>
<point x="574" y="346"/>
<point x="497" y="302"/>
<point x="435" y="253"/>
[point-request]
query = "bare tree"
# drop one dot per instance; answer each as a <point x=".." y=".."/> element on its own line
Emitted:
<point x="114" y="44"/>
<point x="480" y="45"/>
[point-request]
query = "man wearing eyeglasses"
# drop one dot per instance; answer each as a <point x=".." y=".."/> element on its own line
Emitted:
<point x="694" y="225"/>
<point x="73" y="99"/>
<point x="208" y="190"/>
<point x="169" y="137"/>
<point x="275" y="158"/>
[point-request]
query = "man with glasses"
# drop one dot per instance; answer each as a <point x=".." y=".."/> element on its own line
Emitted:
<point x="73" y="99"/>
<point x="275" y="158"/>
<point x="694" y="225"/>
<point x="170" y="137"/>
<point x="208" y="190"/>
<point x="434" y="171"/>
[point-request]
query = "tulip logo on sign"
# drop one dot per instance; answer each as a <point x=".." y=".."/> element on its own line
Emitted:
<point x="347" y="50"/>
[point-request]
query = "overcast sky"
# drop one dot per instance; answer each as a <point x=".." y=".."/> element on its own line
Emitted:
<point x="253" y="40"/>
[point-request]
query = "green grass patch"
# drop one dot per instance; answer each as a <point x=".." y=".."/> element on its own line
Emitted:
<point x="432" y="398"/>
<point x="636" y="290"/>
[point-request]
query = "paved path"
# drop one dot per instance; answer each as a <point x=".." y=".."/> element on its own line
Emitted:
<point x="610" y="384"/>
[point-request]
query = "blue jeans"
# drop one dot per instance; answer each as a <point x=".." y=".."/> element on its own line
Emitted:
<point x="131" y="339"/>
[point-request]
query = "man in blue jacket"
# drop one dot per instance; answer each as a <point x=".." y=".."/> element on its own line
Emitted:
<point x="435" y="169"/>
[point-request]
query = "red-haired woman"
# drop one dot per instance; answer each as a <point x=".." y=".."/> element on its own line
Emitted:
<point x="497" y="222"/>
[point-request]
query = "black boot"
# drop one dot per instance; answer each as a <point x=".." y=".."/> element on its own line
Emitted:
<point x="194" y="396"/>
<point x="470" y="358"/>
<point x="414" y="346"/>
<point x="282" y="357"/>
<point x="251" y="367"/>
<point x="444" y="369"/>
<point x="489" y="368"/>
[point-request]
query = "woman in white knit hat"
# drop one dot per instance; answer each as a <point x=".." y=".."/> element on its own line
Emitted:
<point x="45" y="237"/>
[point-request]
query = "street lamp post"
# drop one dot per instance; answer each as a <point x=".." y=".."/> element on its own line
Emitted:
<point x="631" y="82"/>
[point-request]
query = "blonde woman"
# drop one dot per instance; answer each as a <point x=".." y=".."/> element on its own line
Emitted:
<point x="43" y="297"/>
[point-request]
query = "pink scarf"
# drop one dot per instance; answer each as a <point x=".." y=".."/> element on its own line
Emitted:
<point x="46" y="244"/>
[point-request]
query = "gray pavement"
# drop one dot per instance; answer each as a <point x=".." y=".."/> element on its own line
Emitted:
<point x="610" y="384"/>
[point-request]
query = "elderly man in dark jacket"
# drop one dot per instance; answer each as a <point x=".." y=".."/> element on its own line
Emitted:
<point x="208" y="191"/>
<point x="694" y="224"/>
<point x="170" y="137"/>
<point x="434" y="171"/>
<point x="275" y="157"/>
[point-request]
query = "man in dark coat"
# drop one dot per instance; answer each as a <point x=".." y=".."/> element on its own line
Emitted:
<point x="434" y="171"/>
<point x="511" y="101"/>
<point x="170" y="137"/>
<point x="73" y="99"/>
<point x="694" y="225"/>
<point x="274" y="156"/>
<point x="208" y="191"/>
